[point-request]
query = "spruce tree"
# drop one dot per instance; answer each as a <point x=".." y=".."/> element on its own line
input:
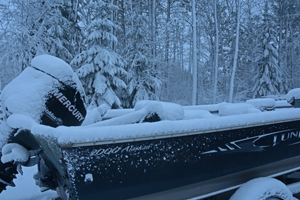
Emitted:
<point x="35" y="27"/>
<point x="267" y="79"/>
<point x="141" y="81"/>
<point x="1" y="111"/>
<point x="100" y="67"/>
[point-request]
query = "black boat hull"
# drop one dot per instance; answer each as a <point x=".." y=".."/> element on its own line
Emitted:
<point x="132" y="169"/>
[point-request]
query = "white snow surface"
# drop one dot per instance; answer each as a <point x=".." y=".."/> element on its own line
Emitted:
<point x="237" y="109"/>
<point x="26" y="189"/>
<point x="262" y="103"/>
<point x="193" y="114"/>
<point x="116" y="113"/>
<point x="259" y="188"/>
<point x="294" y="93"/>
<point x="54" y="66"/>
<point x="4" y="133"/>
<point x="98" y="132"/>
<point x="95" y="115"/>
<point x="26" y="93"/>
<point x="13" y="152"/>
<point x="282" y="103"/>
<point x="208" y="107"/>
<point x="165" y="110"/>
<point x="88" y="178"/>
<point x="57" y="68"/>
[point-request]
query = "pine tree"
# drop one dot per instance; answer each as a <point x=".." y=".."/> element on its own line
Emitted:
<point x="34" y="27"/>
<point x="99" y="67"/>
<point x="282" y="9"/>
<point x="1" y="111"/>
<point x="267" y="78"/>
<point x="61" y="29"/>
<point x="142" y="75"/>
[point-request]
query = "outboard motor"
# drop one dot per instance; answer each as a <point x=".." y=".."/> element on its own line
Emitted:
<point x="53" y="96"/>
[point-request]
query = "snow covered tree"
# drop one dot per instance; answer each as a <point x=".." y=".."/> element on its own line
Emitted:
<point x="195" y="66"/>
<point x="34" y="27"/>
<point x="236" y="50"/>
<point x="267" y="79"/>
<point x="1" y="111"/>
<point x="99" y="67"/>
<point x="142" y="78"/>
<point x="287" y="21"/>
<point x="62" y="30"/>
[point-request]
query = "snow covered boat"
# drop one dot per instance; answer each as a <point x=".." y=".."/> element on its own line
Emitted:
<point x="157" y="150"/>
<point x="200" y="155"/>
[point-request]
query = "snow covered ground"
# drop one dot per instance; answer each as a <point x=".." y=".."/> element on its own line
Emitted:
<point x="26" y="189"/>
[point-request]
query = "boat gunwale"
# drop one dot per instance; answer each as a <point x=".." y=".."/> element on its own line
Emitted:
<point x="164" y="136"/>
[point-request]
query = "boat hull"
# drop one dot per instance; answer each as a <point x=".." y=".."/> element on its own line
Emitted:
<point x="128" y="169"/>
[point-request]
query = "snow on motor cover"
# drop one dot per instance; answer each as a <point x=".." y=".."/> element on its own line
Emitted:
<point x="165" y="110"/>
<point x="26" y="93"/>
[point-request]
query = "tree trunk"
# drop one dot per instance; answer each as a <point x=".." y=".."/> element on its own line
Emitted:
<point x="153" y="26"/>
<point x="167" y="31"/>
<point x="131" y="14"/>
<point x="194" y="93"/>
<point x="216" y="54"/>
<point x="235" y="52"/>
<point x="112" y="29"/>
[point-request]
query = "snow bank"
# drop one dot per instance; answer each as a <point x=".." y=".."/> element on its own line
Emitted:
<point x="263" y="103"/>
<point x="165" y="110"/>
<point x="237" y="109"/>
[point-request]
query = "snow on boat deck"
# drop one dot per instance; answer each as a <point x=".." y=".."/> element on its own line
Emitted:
<point x="68" y="136"/>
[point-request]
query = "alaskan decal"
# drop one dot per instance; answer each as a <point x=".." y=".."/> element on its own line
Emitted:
<point x="130" y="148"/>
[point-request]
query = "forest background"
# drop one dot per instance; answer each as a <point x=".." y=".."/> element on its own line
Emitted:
<point x="184" y="51"/>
